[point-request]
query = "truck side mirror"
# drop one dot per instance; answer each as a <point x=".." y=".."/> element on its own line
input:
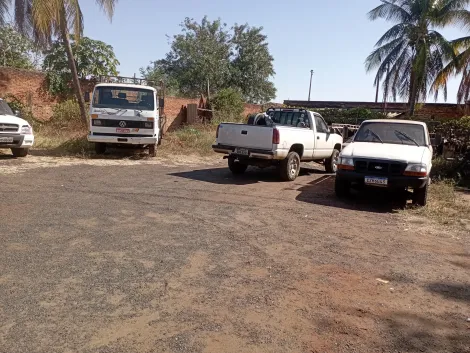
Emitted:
<point x="161" y="102"/>
<point x="87" y="97"/>
<point x="17" y="113"/>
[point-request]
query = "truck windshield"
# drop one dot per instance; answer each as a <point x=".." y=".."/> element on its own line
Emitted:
<point x="394" y="133"/>
<point x="124" y="98"/>
<point x="5" y="108"/>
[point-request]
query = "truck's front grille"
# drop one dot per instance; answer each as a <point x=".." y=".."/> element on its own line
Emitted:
<point x="8" y="127"/>
<point x="379" y="167"/>
<point x="128" y="124"/>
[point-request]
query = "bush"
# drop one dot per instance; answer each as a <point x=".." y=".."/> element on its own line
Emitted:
<point x="66" y="114"/>
<point x="228" y="105"/>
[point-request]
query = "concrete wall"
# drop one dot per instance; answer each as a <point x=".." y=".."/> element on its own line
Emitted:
<point x="29" y="87"/>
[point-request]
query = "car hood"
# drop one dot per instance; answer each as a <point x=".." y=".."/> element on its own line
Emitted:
<point x="10" y="119"/>
<point x="387" y="151"/>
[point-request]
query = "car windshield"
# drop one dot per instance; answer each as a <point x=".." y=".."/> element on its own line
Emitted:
<point x="394" y="133"/>
<point x="124" y="98"/>
<point x="5" y="108"/>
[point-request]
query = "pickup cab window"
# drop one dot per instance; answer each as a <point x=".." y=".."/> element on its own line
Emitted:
<point x="291" y="118"/>
<point x="321" y="125"/>
<point x="393" y="133"/>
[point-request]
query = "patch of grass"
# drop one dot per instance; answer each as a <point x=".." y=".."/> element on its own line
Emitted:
<point x="194" y="139"/>
<point x="64" y="142"/>
<point x="445" y="205"/>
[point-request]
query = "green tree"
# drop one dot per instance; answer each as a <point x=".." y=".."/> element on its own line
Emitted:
<point x="252" y="66"/>
<point x="46" y="19"/>
<point x="16" y="50"/>
<point x="411" y="54"/>
<point x="228" y="104"/>
<point x="207" y="54"/>
<point x="92" y="59"/>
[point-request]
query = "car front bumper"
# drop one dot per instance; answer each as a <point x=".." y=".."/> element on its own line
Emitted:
<point x="129" y="140"/>
<point x="394" y="181"/>
<point x="19" y="141"/>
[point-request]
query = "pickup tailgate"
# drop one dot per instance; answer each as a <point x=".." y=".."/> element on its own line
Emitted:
<point x="250" y="136"/>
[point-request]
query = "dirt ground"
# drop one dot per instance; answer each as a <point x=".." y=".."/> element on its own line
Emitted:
<point x="164" y="256"/>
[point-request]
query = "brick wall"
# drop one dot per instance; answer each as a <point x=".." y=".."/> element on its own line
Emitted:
<point x="29" y="88"/>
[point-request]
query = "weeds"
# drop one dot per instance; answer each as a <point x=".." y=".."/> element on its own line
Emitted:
<point x="195" y="139"/>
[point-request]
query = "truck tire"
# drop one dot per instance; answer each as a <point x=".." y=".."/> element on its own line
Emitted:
<point x="236" y="167"/>
<point x="152" y="150"/>
<point x="100" y="148"/>
<point x="20" y="152"/>
<point x="342" y="187"/>
<point x="420" y="196"/>
<point x="331" y="163"/>
<point x="290" y="167"/>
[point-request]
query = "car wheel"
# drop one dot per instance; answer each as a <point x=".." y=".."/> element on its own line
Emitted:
<point x="235" y="166"/>
<point x="420" y="196"/>
<point x="331" y="164"/>
<point x="20" y="152"/>
<point x="342" y="187"/>
<point x="100" y="148"/>
<point x="153" y="150"/>
<point x="290" y="167"/>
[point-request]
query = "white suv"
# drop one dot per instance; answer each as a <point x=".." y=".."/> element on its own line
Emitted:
<point x="15" y="133"/>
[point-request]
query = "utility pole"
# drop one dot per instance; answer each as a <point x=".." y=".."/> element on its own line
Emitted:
<point x="310" y="89"/>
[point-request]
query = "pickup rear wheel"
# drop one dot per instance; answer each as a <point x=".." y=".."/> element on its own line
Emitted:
<point x="235" y="166"/>
<point x="420" y="196"/>
<point x="290" y="167"/>
<point x="331" y="163"/>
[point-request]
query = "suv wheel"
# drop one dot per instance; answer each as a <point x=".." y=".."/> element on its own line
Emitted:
<point x="420" y="196"/>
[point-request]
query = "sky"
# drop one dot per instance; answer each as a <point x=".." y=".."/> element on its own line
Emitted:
<point x="331" y="37"/>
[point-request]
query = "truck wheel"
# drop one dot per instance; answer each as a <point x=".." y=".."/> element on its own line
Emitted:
<point x="342" y="187"/>
<point x="420" y="196"/>
<point x="290" y="167"/>
<point x="20" y="152"/>
<point x="331" y="163"/>
<point x="100" y="148"/>
<point x="153" y="150"/>
<point x="235" y="166"/>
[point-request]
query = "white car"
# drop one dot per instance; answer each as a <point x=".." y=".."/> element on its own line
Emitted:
<point x="15" y="133"/>
<point x="393" y="154"/>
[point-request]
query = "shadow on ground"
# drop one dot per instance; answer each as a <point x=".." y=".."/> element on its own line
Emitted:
<point x="223" y="176"/>
<point x="452" y="291"/>
<point x="112" y="153"/>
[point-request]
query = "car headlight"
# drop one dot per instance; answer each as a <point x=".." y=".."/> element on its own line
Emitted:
<point x="97" y="122"/>
<point x="416" y="169"/>
<point x="26" y="130"/>
<point x="346" y="161"/>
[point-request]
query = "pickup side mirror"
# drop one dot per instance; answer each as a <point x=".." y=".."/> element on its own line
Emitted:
<point x="17" y="113"/>
<point x="87" y="97"/>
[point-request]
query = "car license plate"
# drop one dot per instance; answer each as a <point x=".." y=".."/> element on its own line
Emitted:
<point x="242" y="151"/>
<point x="123" y="130"/>
<point x="377" y="181"/>
<point x="6" y="139"/>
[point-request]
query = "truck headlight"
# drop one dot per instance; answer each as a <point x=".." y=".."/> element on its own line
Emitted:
<point x="416" y="169"/>
<point x="97" y="122"/>
<point x="26" y="130"/>
<point x="148" y="125"/>
<point x="346" y="163"/>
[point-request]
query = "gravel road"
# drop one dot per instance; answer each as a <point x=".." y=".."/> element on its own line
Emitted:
<point x="153" y="257"/>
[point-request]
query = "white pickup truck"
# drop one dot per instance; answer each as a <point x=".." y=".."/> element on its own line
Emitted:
<point x="281" y="137"/>
<point x="393" y="154"/>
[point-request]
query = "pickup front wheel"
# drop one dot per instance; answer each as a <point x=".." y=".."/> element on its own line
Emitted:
<point x="290" y="167"/>
<point x="235" y="166"/>
<point x="331" y="163"/>
<point x="420" y="196"/>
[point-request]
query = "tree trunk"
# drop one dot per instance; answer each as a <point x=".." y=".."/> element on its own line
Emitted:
<point x="64" y="32"/>
<point x="412" y="99"/>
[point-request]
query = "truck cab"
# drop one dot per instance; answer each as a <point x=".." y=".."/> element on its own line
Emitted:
<point x="125" y="114"/>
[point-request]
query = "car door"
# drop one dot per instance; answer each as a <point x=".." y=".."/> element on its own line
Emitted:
<point x="322" y="145"/>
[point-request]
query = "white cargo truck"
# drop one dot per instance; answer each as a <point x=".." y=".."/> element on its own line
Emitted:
<point x="126" y="111"/>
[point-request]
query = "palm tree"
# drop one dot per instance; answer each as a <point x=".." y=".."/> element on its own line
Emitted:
<point x="46" y="19"/>
<point x="411" y="54"/>
<point x="3" y="10"/>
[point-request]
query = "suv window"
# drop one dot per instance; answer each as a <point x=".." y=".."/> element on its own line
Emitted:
<point x="5" y="108"/>
<point x="290" y="118"/>
<point x="321" y="125"/>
